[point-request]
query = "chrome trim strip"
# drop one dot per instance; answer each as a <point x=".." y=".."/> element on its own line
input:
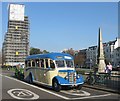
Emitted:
<point x="72" y="84"/>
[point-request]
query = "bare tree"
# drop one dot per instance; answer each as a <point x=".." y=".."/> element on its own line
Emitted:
<point x="70" y="51"/>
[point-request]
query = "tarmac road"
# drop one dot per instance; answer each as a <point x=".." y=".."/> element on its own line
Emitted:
<point x="16" y="89"/>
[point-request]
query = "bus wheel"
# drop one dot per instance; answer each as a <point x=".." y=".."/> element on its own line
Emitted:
<point x="30" y="78"/>
<point x="56" y="85"/>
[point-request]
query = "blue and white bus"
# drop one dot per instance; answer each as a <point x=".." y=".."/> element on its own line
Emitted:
<point x="53" y="70"/>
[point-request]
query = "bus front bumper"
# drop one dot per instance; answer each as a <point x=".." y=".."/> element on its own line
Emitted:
<point x="72" y="84"/>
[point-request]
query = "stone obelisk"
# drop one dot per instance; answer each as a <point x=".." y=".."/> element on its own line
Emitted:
<point x="100" y="58"/>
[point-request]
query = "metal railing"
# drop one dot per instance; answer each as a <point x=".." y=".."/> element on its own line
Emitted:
<point x="111" y="81"/>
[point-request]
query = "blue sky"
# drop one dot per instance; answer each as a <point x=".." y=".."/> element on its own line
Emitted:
<point x="63" y="25"/>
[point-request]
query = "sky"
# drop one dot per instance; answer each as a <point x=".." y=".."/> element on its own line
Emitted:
<point x="55" y="26"/>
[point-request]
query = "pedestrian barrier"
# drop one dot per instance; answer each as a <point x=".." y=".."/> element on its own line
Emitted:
<point x="103" y="80"/>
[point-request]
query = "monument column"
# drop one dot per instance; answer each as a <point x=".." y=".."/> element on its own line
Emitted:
<point x="101" y="59"/>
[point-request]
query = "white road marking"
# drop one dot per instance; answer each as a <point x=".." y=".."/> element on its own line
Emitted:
<point x="22" y="94"/>
<point x="77" y="92"/>
<point x="38" y="88"/>
<point x="91" y="96"/>
<point x="56" y="93"/>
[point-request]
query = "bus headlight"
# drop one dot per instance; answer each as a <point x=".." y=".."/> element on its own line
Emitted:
<point x="66" y="77"/>
<point x="78" y="76"/>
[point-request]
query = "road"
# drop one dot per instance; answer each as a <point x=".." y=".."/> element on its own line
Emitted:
<point x="13" y="88"/>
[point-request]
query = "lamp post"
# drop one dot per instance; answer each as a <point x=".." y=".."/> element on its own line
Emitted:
<point x="90" y="63"/>
<point x="22" y="41"/>
<point x="12" y="56"/>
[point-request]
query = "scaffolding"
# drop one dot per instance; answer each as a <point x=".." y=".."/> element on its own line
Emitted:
<point x="16" y="42"/>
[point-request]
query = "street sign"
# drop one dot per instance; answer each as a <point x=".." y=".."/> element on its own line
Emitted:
<point x="22" y="94"/>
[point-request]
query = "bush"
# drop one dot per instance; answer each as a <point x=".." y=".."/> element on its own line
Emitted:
<point x="81" y="72"/>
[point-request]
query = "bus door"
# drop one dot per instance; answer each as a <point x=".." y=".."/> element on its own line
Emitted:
<point x="45" y="71"/>
<point x="49" y="73"/>
<point x="37" y="71"/>
<point x="40" y="69"/>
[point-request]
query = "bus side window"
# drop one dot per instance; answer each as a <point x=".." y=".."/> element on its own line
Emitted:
<point x="37" y="62"/>
<point x="28" y="63"/>
<point x="52" y="65"/>
<point x="33" y="63"/>
<point x="46" y="62"/>
<point x="42" y="63"/>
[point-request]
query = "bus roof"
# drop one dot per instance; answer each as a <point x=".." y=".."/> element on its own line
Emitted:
<point x="53" y="56"/>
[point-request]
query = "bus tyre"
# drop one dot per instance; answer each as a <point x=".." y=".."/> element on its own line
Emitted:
<point x="56" y="85"/>
<point x="30" y="78"/>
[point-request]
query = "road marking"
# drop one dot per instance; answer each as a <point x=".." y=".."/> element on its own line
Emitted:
<point x="38" y="88"/>
<point x="96" y="96"/>
<point x="22" y="94"/>
<point x="77" y="92"/>
<point x="56" y="93"/>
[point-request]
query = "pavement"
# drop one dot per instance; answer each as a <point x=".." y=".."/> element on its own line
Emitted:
<point x="98" y="87"/>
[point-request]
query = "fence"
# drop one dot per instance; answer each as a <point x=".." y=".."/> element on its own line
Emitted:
<point x="103" y="80"/>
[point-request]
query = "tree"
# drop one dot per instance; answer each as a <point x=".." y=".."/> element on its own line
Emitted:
<point x="45" y="51"/>
<point x="80" y="58"/>
<point x="35" y="51"/>
<point x="69" y="51"/>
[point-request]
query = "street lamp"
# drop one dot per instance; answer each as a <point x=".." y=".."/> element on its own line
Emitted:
<point x="12" y="55"/>
<point x="90" y="63"/>
<point x="22" y="41"/>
